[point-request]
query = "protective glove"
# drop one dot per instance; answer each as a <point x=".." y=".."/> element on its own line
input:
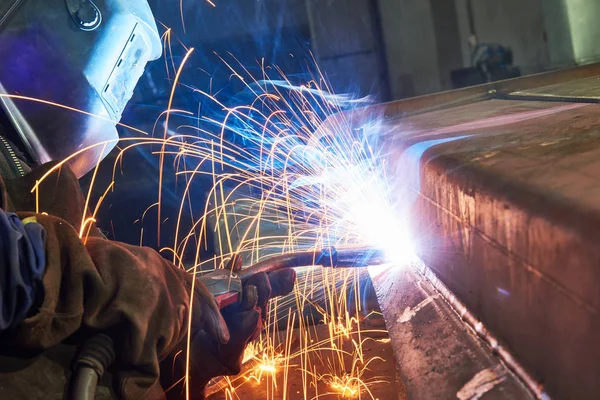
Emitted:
<point x="130" y="293"/>
<point x="245" y="321"/>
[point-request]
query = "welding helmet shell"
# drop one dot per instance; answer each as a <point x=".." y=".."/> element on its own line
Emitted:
<point x="79" y="54"/>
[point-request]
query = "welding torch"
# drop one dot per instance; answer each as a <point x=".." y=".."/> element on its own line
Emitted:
<point x="226" y="286"/>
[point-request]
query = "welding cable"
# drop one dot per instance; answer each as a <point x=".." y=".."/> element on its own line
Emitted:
<point x="22" y="265"/>
<point x="95" y="356"/>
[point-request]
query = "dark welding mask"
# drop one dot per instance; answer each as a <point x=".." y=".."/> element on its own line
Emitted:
<point x="78" y="54"/>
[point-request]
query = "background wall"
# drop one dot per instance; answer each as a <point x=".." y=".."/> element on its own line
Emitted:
<point x="347" y="39"/>
<point x="518" y="24"/>
<point x="573" y="31"/>
<point x="389" y="48"/>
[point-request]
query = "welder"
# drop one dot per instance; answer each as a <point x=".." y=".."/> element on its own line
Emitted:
<point x="85" y="57"/>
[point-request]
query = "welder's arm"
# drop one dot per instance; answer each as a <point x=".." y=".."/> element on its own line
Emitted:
<point x="142" y="301"/>
<point x="130" y="293"/>
<point x="22" y="263"/>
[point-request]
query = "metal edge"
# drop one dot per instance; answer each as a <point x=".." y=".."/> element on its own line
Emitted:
<point x="481" y="331"/>
<point x="472" y="94"/>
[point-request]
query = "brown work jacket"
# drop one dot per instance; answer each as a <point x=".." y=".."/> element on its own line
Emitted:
<point x="100" y="286"/>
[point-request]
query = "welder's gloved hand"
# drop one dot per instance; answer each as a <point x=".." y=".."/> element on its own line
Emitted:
<point x="245" y="320"/>
<point x="130" y="293"/>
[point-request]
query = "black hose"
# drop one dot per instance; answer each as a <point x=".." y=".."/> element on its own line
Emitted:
<point x="96" y="355"/>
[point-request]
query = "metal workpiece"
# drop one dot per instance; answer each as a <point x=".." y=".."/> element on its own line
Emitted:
<point x="506" y="208"/>
<point x="439" y="355"/>
<point x="478" y="328"/>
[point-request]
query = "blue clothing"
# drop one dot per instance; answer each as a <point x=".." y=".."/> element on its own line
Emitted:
<point x="22" y="263"/>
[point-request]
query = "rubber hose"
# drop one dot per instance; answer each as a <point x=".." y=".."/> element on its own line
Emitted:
<point x="96" y="355"/>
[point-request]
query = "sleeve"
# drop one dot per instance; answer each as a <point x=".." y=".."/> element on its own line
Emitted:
<point x="22" y="263"/>
<point x="128" y="292"/>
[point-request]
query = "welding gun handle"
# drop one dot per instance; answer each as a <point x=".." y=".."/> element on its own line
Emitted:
<point x="224" y="285"/>
<point x="227" y="299"/>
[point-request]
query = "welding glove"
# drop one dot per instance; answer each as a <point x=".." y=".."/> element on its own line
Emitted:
<point x="245" y="320"/>
<point x="260" y="288"/>
<point x="130" y="293"/>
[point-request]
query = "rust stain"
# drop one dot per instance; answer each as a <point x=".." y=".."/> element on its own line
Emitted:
<point x="409" y="312"/>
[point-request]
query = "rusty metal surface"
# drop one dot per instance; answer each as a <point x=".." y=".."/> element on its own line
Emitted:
<point x="508" y="205"/>
<point x="438" y="356"/>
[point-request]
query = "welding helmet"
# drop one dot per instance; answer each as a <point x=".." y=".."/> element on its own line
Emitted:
<point x="80" y="54"/>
